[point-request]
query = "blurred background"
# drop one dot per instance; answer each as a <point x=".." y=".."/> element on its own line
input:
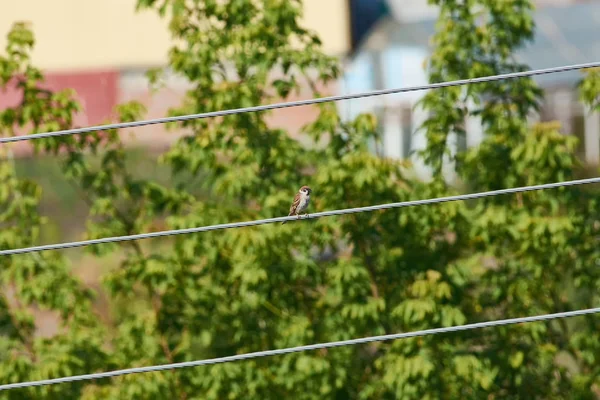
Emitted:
<point x="103" y="50"/>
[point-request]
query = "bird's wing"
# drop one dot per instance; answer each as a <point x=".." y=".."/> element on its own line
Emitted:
<point x="295" y="204"/>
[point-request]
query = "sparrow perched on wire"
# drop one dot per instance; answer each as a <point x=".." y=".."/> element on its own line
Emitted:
<point x="300" y="203"/>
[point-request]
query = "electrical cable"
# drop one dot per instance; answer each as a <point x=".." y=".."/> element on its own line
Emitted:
<point x="411" y="203"/>
<point x="268" y="353"/>
<point x="298" y="103"/>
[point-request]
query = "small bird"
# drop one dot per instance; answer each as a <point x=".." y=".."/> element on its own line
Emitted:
<point x="300" y="203"/>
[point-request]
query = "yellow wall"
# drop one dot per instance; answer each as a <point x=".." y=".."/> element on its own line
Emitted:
<point x="331" y="19"/>
<point x="89" y="34"/>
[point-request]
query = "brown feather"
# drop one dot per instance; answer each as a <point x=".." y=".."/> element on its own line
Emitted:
<point x="294" y="206"/>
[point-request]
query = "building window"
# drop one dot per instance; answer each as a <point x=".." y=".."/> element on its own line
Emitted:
<point x="546" y="111"/>
<point x="461" y="142"/>
<point x="578" y="130"/>
<point x="406" y="120"/>
<point x="375" y="146"/>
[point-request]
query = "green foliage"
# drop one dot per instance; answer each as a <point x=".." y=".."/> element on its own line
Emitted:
<point x="530" y="243"/>
<point x="241" y="290"/>
<point x="37" y="281"/>
<point x="590" y="87"/>
<point x="477" y="38"/>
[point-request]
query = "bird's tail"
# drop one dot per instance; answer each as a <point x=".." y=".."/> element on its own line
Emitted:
<point x="289" y="215"/>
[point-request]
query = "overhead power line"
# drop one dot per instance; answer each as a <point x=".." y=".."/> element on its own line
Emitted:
<point x="410" y="203"/>
<point x="298" y="103"/>
<point x="268" y="353"/>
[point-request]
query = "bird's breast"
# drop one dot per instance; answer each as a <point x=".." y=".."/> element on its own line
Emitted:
<point x="304" y="202"/>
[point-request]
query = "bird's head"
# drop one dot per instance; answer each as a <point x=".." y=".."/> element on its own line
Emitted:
<point x="306" y="190"/>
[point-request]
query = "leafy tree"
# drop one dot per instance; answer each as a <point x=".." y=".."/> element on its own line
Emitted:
<point x="534" y="250"/>
<point x="37" y="280"/>
<point x="242" y="290"/>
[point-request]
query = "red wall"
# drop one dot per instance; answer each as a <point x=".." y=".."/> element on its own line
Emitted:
<point x="97" y="92"/>
<point x="100" y="91"/>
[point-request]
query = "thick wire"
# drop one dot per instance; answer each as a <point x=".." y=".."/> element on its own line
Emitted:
<point x="410" y="203"/>
<point x="298" y="103"/>
<point x="268" y="353"/>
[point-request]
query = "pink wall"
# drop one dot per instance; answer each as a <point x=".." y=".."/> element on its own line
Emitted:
<point x="100" y="91"/>
<point x="97" y="91"/>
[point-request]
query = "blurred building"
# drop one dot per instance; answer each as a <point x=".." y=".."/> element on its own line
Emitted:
<point x="391" y="54"/>
<point x="102" y="49"/>
<point x="365" y="14"/>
